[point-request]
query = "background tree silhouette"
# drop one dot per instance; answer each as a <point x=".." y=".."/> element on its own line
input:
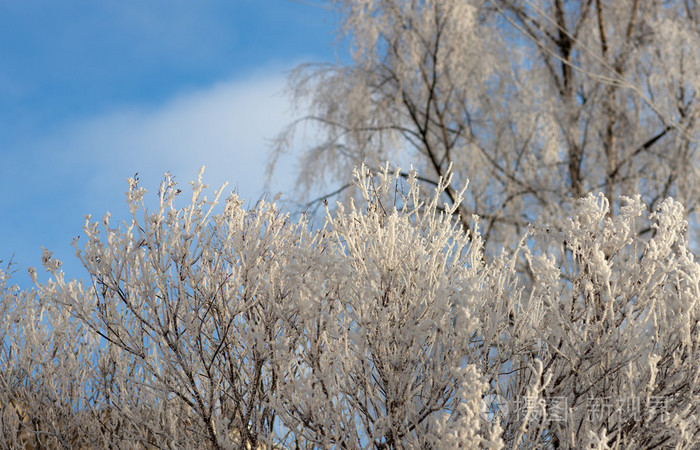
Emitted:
<point x="535" y="102"/>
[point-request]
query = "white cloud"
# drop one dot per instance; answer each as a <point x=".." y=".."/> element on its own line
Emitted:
<point x="226" y="127"/>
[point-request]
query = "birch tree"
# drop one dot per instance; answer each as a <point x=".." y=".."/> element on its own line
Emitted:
<point x="536" y="102"/>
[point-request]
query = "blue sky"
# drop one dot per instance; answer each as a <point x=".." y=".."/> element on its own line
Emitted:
<point x="92" y="92"/>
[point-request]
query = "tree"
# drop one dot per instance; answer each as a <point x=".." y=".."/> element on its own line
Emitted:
<point x="535" y="102"/>
<point x="384" y="328"/>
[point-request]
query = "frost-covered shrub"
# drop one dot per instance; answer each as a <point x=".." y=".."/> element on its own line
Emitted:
<point x="615" y="329"/>
<point x="386" y="327"/>
<point x="381" y="360"/>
